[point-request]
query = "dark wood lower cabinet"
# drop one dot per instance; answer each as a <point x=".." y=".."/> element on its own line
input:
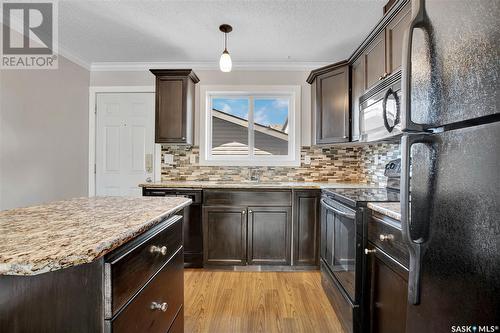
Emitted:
<point x="255" y="227"/>
<point x="388" y="288"/>
<point x="269" y="235"/>
<point x="225" y="235"/>
<point x="306" y="228"/>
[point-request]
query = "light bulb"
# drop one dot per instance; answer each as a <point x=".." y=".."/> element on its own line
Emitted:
<point x="225" y="62"/>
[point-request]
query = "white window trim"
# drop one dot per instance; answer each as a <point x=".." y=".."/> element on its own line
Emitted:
<point x="206" y="91"/>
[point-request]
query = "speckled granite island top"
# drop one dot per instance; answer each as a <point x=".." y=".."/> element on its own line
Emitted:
<point x="61" y="234"/>
<point x="250" y="185"/>
<point x="391" y="209"/>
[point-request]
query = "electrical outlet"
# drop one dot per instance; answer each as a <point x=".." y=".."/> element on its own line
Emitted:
<point x="168" y="159"/>
<point x="192" y="159"/>
<point x="307" y="159"/>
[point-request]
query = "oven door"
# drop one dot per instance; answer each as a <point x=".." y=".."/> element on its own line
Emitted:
<point x="338" y="243"/>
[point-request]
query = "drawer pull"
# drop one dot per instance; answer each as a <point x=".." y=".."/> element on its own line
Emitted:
<point x="387" y="237"/>
<point x="368" y="251"/>
<point x="159" y="306"/>
<point x="158" y="250"/>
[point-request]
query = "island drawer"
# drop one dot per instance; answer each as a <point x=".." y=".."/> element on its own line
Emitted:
<point x="132" y="266"/>
<point x="247" y="197"/>
<point x="386" y="234"/>
<point x="156" y="306"/>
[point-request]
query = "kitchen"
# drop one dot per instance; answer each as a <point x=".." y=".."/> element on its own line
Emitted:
<point x="250" y="166"/>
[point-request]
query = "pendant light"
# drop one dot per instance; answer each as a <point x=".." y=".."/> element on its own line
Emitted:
<point x="225" y="63"/>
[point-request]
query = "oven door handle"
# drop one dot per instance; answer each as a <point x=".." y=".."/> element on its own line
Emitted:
<point x="348" y="215"/>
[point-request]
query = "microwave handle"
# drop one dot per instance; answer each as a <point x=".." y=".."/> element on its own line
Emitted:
<point x="388" y="93"/>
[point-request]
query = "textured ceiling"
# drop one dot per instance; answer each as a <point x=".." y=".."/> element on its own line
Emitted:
<point x="187" y="31"/>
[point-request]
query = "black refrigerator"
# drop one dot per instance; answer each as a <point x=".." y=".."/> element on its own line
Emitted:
<point x="450" y="187"/>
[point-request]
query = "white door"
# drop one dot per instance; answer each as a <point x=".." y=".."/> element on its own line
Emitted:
<point x="124" y="142"/>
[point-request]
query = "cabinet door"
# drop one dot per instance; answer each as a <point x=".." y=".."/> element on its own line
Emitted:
<point x="193" y="236"/>
<point x="224" y="235"/>
<point x="327" y="225"/>
<point x="375" y="61"/>
<point x="306" y="228"/>
<point x="358" y="88"/>
<point x="388" y="293"/>
<point x="394" y="38"/>
<point x="269" y="235"/>
<point x="332" y="106"/>
<point x="171" y="117"/>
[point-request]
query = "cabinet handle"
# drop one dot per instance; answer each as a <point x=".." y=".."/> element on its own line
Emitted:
<point x="250" y="212"/>
<point x="159" y="306"/>
<point x="243" y="212"/>
<point x="158" y="250"/>
<point x="387" y="237"/>
<point x="183" y="138"/>
<point x="368" y="251"/>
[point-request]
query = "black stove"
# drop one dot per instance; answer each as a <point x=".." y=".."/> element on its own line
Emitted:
<point x="359" y="197"/>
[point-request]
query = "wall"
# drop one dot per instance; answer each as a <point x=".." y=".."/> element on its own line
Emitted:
<point x="43" y="134"/>
<point x="216" y="77"/>
<point x="364" y="164"/>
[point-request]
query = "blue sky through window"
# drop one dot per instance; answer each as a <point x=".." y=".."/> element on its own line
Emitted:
<point x="234" y="106"/>
<point x="267" y="112"/>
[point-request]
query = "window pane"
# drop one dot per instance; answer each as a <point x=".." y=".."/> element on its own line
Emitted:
<point x="271" y="126"/>
<point x="230" y="126"/>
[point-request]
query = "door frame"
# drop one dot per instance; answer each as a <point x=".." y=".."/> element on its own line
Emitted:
<point x="93" y="91"/>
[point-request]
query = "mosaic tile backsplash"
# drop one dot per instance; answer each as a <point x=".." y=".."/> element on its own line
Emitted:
<point x="356" y="164"/>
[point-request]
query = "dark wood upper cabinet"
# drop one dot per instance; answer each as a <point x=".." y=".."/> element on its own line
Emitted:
<point x="394" y="38"/>
<point x="374" y="58"/>
<point x="174" y="116"/>
<point x="332" y="105"/>
<point x="358" y="88"/>
<point x="306" y="228"/>
<point x="335" y="92"/>
<point x="224" y="235"/>
<point x="269" y="235"/>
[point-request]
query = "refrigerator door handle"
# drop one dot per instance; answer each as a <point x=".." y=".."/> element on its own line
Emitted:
<point x="416" y="248"/>
<point x="418" y="19"/>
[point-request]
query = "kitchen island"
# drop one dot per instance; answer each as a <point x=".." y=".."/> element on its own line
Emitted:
<point x="92" y="265"/>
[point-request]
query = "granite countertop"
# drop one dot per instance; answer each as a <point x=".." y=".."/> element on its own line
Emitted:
<point x="248" y="184"/>
<point x="48" y="237"/>
<point x="391" y="209"/>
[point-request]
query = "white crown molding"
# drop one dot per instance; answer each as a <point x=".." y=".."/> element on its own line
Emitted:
<point x="239" y="66"/>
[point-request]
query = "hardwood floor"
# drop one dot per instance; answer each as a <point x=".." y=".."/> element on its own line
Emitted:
<point x="248" y="302"/>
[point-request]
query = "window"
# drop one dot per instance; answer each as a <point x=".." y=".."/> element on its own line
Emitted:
<point x="249" y="126"/>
